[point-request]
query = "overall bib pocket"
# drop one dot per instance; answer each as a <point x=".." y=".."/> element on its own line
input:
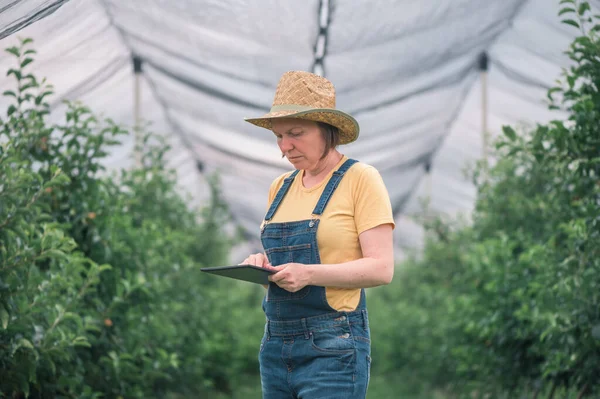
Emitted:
<point x="288" y="254"/>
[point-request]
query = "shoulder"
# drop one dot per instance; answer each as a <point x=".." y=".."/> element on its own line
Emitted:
<point x="360" y="167"/>
<point x="277" y="183"/>
<point x="361" y="171"/>
<point x="363" y="180"/>
<point x="372" y="205"/>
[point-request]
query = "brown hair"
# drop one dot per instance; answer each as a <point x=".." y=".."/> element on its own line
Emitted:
<point x="331" y="135"/>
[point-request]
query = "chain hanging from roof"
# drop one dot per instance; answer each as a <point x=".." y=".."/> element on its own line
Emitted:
<point x="320" y="47"/>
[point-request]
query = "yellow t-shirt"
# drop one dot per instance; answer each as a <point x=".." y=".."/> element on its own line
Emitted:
<point x="360" y="202"/>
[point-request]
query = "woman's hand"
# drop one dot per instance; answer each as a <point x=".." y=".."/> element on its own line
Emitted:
<point x="291" y="277"/>
<point x="259" y="260"/>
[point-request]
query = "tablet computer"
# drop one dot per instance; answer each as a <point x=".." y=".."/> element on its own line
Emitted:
<point x="253" y="274"/>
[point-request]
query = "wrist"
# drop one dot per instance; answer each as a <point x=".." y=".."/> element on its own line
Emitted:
<point x="310" y="271"/>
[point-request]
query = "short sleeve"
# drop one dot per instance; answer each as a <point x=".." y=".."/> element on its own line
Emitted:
<point x="372" y="206"/>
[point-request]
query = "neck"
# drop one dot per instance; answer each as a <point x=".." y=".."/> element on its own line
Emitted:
<point x="324" y="166"/>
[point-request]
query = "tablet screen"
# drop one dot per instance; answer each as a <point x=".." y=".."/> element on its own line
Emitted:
<point x="250" y="273"/>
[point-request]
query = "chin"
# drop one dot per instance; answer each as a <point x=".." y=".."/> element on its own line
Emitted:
<point x="298" y="163"/>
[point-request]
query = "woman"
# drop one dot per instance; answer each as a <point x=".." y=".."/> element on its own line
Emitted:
<point x="328" y="235"/>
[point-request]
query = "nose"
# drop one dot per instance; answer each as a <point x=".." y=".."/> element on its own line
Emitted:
<point x="285" y="144"/>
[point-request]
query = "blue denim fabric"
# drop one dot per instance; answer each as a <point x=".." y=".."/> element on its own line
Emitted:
<point x="309" y="350"/>
<point x="325" y="356"/>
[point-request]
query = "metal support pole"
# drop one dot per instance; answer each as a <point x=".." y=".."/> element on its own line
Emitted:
<point x="320" y="48"/>
<point x="137" y="71"/>
<point x="483" y="72"/>
<point x="428" y="187"/>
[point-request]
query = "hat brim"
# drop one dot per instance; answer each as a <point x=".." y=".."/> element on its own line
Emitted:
<point x="346" y="124"/>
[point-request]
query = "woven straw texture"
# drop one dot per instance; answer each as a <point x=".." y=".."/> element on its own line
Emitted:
<point x="307" y="90"/>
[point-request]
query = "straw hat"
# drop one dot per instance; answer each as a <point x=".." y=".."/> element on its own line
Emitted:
<point x="305" y="95"/>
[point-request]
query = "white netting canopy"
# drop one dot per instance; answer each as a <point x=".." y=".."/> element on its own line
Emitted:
<point x="410" y="71"/>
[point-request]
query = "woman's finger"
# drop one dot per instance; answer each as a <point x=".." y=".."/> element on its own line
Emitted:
<point x="244" y="262"/>
<point x="255" y="260"/>
<point x="250" y="260"/>
<point x="259" y="260"/>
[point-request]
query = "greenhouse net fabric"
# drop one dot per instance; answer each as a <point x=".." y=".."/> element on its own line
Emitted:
<point x="423" y="78"/>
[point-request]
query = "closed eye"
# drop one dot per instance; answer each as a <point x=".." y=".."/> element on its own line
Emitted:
<point x="289" y="134"/>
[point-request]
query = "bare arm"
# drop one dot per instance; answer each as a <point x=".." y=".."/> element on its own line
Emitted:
<point x="375" y="268"/>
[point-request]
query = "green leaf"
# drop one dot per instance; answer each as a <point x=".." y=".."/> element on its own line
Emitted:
<point x="81" y="341"/>
<point x="13" y="50"/>
<point x="75" y="317"/>
<point x="4" y="318"/>
<point x="571" y="22"/>
<point x="552" y="91"/>
<point x="52" y="366"/>
<point x="9" y="93"/>
<point x="25" y="343"/>
<point x="565" y="11"/>
<point x="26" y="41"/>
<point x="509" y="132"/>
<point x="24" y="384"/>
<point x="567" y="1"/>
<point x="30" y="77"/>
<point x="53" y="253"/>
<point x="105" y="267"/>
<point x="583" y="7"/>
<point x="11" y="110"/>
<point x="26" y="62"/>
<point x="40" y="98"/>
<point x="28" y="86"/>
<point x="15" y="72"/>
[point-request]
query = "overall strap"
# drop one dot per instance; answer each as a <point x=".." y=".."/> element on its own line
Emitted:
<point x="280" y="194"/>
<point x="332" y="185"/>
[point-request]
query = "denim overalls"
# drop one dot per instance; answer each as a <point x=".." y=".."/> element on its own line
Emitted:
<point x="309" y="350"/>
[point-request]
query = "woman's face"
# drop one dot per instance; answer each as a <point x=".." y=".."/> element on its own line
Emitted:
<point x="300" y="141"/>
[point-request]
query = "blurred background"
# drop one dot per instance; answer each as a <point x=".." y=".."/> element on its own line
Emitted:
<point x="431" y="83"/>
<point x="425" y="80"/>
